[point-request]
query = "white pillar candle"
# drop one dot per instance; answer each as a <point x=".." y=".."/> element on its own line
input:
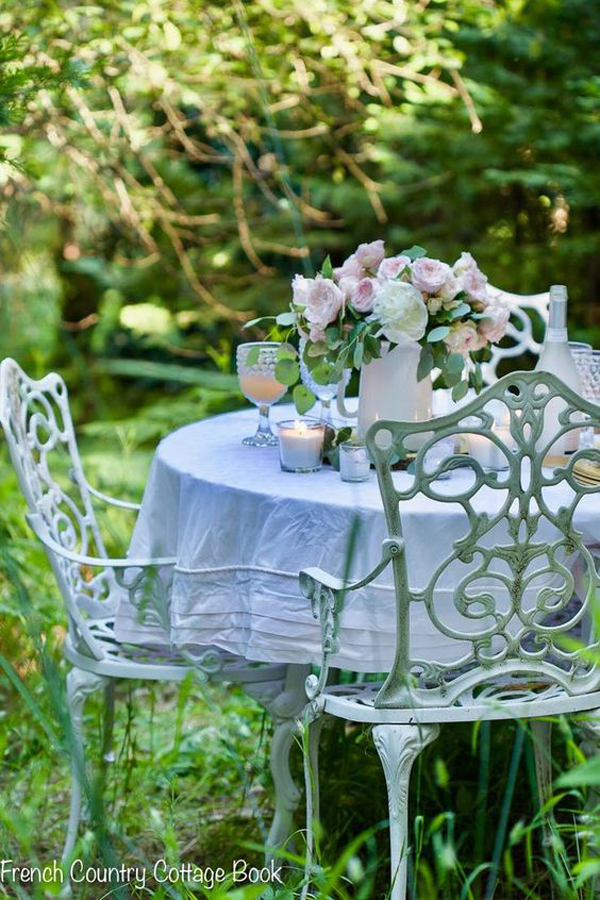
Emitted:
<point x="301" y="445"/>
<point x="488" y="454"/>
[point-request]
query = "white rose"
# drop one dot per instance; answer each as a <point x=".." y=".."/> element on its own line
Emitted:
<point x="370" y="255"/>
<point x="350" y="268"/>
<point x="392" y="267"/>
<point x="300" y="289"/>
<point x="323" y="304"/>
<point x="493" y="327"/>
<point x="434" y="304"/>
<point x="450" y="288"/>
<point x="463" y="338"/>
<point x="429" y="275"/>
<point x="400" y="309"/>
<point x="363" y="295"/>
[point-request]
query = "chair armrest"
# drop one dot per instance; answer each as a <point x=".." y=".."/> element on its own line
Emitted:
<point x="308" y="577"/>
<point x="112" y="501"/>
<point x="39" y="528"/>
<point x="326" y="594"/>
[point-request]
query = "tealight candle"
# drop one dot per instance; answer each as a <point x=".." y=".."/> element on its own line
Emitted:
<point x="355" y="464"/>
<point x="301" y="445"/>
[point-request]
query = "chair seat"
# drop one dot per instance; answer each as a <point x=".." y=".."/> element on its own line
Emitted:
<point x="164" y="663"/>
<point x="501" y="698"/>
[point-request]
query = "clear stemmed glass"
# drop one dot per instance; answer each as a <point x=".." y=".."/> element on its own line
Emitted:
<point x="325" y="393"/>
<point x="582" y="357"/>
<point x="256" y="371"/>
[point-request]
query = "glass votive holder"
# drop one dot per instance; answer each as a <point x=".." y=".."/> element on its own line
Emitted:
<point x="301" y="445"/>
<point x="355" y="463"/>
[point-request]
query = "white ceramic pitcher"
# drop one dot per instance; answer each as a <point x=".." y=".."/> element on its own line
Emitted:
<point x="389" y="389"/>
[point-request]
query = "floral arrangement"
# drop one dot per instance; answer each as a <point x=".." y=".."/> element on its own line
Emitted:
<point x="350" y="315"/>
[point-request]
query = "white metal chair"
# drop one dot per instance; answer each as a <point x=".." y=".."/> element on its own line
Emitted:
<point x="519" y="331"/>
<point x="37" y="424"/>
<point x="512" y="602"/>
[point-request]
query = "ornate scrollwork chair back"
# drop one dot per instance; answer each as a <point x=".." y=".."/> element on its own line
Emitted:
<point x="512" y="570"/>
<point x="38" y="427"/>
<point x="519" y="338"/>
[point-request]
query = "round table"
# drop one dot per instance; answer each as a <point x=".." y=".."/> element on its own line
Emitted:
<point x="241" y="530"/>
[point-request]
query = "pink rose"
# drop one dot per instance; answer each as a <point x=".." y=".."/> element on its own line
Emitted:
<point x="392" y="267"/>
<point x="370" y="255"/>
<point x="463" y="338"/>
<point x="493" y="327"/>
<point x="348" y="285"/>
<point x="324" y="302"/>
<point x="362" y="297"/>
<point x="474" y="283"/>
<point x="300" y="289"/>
<point x="429" y="275"/>
<point x="351" y="268"/>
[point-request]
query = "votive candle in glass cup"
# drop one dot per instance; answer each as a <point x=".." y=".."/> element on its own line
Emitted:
<point x="355" y="463"/>
<point x="256" y="363"/>
<point x="301" y="445"/>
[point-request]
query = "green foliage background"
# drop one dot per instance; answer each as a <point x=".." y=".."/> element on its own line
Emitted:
<point x="198" y="154"/>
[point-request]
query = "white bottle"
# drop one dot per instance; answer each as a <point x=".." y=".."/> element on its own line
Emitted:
<point x="556" y="358"/>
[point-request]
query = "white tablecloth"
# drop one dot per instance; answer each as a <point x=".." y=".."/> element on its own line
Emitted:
<point x="241" y="530"/>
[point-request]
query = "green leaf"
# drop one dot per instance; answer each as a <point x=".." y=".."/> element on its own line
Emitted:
<point x="322" y="373"/>
<point x="358" y="355"/>
<point x="414" y="252"/>
<point x="260" y="319"/>
<point x="327" y="268"/>
<point x="303" y="399"/>
<point x="586" y="775"/>
<point x="286" y="351"/>
<point x="319" y="348"/>
<point x="477" y="378"/>
<point x="287" y="371"/>
<point x="286" y="318"/>
<point x="438" y="334"/>
<point x="463" y="310"/>
<point x="343" y="434"/>
<point x="459" y="390"/>
<point x="252" y="356"/>
<point x="373" y="346"/>
<point x="426" y="362"/>
<point x="455" y="363"/>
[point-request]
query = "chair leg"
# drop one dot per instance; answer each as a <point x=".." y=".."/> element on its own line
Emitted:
<point x="314" y="723"/>
<point x="398" y="747"/>
<point x="284" y="702"/>
<point x="108" y="754"/>
<point x="542" y="746"/>
<point x="80" y="685"/>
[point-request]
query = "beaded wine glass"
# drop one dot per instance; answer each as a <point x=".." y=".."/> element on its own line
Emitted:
<point x="256" y="363"/>
<point x="325" y="393"/>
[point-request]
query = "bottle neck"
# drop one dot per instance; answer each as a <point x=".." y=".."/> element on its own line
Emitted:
<point x="556" y="336"/>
